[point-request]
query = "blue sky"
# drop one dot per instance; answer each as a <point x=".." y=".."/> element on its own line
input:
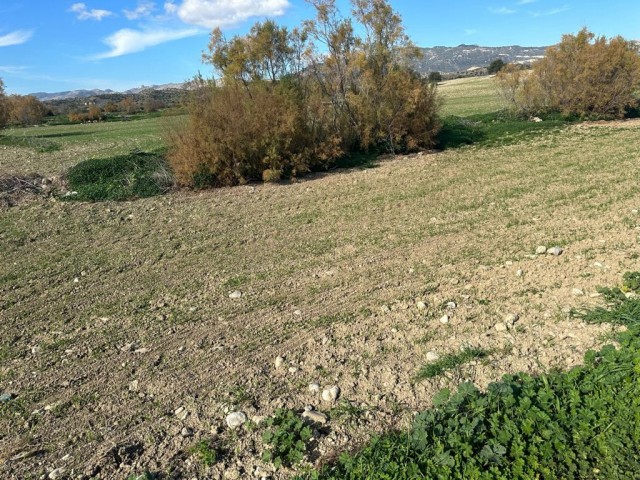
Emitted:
<point x="57" y="45"/>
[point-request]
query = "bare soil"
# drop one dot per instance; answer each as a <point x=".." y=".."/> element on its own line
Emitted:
<point x="115" y="315"/>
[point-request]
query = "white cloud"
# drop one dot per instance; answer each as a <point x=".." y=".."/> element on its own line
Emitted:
<point x="85" y="14"/>
<point x="554" y="11"/>
<point x="170" y="8"/>
<point x="220" y="13"/>
<point x="501" y="10"/>
<point x="526" y="2"/>
<point x="143" y="9"/>
<point x="127" y="41"/>
<point x="12" y="69"/>
<point x="15" y="38"/>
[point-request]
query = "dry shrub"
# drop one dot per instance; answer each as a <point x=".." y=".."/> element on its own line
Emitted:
<point x="288" y="102"/>
<point x="236" y="134"/>
<point x="584" y="76"/>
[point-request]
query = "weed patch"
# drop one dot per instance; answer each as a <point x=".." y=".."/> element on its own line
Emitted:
<point x="287" y="436"/>
<point x="576" y="424"/>
<point x="123" y="177"/>
<point x="451" y="361"/>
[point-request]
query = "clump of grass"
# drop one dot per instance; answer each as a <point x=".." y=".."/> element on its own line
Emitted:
<point x="124" y="177"/>
<point x="451" y="361"/>
<point x="206" y="452"/>
<point x="40" y="145"/>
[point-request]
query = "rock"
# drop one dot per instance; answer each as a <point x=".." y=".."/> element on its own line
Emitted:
<point x="432" y="357"/>
<point x="421" y="306"/>
<point x="231" y="474"/>
<point x="315" y="417"/>
<point x="541" y="250"/>
<point x="536" y="119"/>
<point x="444" y="319"/>
<point x="236" y="419"/>
<point x="385" y="309"/>
<point x="258" y="419"/>
<point x="57" y="473"/>
<point x="141" y="351"/>
<point x="331" y="394"/>
<point x="186" y="432"/>
<point x="133" y="386"/>
<point x="181" y="413"/>
<point x="576" y="292"/>
<point x="314" y="387"/>
<point x="6" y="397"/>
<point x="500" y="327"/>
<point x="297" y="313"/>
<point x="235" y="295"/>
<point x="511" y="318"/>
<point x="519" y="273"/>
<point x="555" y="251"/>
<point x="293" y="369"/>
<point x="279" y="361"/>
<point x="451" y="305"/>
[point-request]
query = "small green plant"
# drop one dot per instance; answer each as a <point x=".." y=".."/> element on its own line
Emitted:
<point x="208" y="454"/>
<point x="287" y="437"/>
<point x="631" y="282"/>
<point x="451" y="361"/>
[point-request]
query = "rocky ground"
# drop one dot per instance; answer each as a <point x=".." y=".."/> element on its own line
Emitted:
<point x="130" y="332"/>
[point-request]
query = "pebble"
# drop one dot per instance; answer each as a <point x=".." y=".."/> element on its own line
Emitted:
<point x="577" y="292"/>
<point x="297" y="312"/>
<point x="385" y="309"/>
<point x="432" y="356"/>
<point x="6" y="397"/>
<point x="556" y="251"/>
<point x="500" y="327"/>
<point x="236" y="419"/>
<point x="279" y="361"/>
<point x="314" y="387"/>
<point x="57" y="473"/>
<point x="133" y="386"/>
<point x="181" y="413"/>
<point x="451" y="305"/>
<point x="541" y="250"/>
<point x="293" y="369"/>
<point x="235" y="295"/>
<point x="186" y="432"/>
<point x="511" y="318"/>
<point x="444" y="319"/>
<point x="315" y="417"/>
<point x="519" y="273"/>
<point x="421" y="306"/>
<point x="331" y="394"/>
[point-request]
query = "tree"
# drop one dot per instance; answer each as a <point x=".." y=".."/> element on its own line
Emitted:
<point x="128" y="105"/>
<point x="94" y="113"/>
<point x="495" y="66"/>
<point x="4" y="106"/>
<point x="435" y="77"/>
<point x="584" y="76"/>
<point x="26" y="110"/>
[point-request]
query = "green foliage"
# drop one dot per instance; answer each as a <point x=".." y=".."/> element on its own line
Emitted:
<point x="40" y="145"/>
<point x="119" y="178"/>
<point x="451" y="361"/>
<point x="435" y="77"/>
<point x="495" y="66"/>
<point x="577" y="424"/>
<point x="287" y="436"/>
<point x="491" y="129"/>
<point x="208" y="454"/>
<point x="631" y="282"/>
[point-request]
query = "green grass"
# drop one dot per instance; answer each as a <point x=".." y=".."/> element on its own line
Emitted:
<point x="491" y="129"/>
<point x="451" y="361"/>
<point x="40" y="145"/>
<point x="577" y="424"/>
<point x="124" y="177"/>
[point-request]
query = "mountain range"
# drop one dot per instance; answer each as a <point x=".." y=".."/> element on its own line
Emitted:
<point x="435" y="59"/>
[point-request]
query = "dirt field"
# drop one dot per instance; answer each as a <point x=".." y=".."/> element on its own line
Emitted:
<point x="121" y="348"/>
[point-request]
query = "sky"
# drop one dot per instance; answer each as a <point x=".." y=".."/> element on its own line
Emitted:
<point x="60" y="45"/>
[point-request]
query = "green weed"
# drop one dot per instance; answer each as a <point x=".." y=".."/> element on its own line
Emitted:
<point x="451" y="361"/>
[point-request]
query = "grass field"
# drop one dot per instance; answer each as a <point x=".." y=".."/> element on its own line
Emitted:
<point x="124" y="350"/>
<point x="470" y="96"/>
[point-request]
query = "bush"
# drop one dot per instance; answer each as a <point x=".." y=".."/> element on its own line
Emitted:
<point x="282" y="107"/>
<point x="4" y="106"/>
<point x="495" y="66"/>
<point x="435" y="77"/>
<point x="578" y="424"/>
<point x="583" y="76"/>
<point x="119" y="178"/>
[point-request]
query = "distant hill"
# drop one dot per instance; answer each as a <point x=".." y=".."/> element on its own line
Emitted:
<point x="435" y="59"/>
<point x="43" y="96"/>
<point x="465" y="57"/>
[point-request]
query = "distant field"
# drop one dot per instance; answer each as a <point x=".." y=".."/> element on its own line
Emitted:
<point x="71" y="144"/>
<point x="470" y="96"/>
